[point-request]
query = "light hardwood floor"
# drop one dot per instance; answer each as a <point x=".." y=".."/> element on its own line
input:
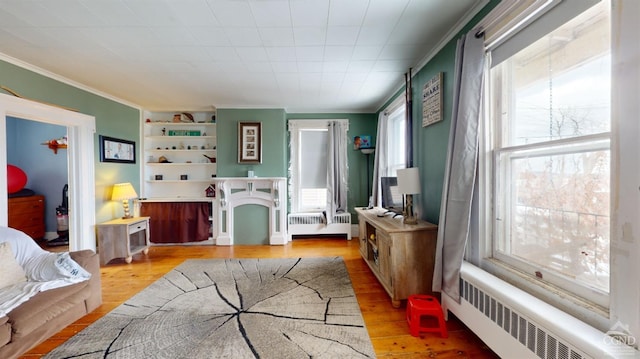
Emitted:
<point x="387" y="326"/>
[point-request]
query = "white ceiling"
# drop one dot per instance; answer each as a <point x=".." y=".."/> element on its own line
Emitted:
<point x="300" y="55"/>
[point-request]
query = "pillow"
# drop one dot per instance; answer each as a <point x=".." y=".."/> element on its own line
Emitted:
<point x="10" y="271"/>
<point x="51" y="266"/>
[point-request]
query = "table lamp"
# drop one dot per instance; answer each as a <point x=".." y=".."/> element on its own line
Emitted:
<point x="408" y="185"/>
<point x="124" y="192"/>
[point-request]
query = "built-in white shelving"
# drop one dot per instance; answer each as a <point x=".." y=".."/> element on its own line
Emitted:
<point x="179" y="157"/>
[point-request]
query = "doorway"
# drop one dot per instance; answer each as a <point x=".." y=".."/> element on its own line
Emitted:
<point x="80" y="131"/>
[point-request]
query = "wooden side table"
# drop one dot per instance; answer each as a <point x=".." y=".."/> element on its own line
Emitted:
<point x="122" y="238"/>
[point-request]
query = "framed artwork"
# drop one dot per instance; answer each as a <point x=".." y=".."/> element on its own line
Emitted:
<point x="117" y="150"/>
<point x="362" y="141"/>
<point x="249" y="142"/>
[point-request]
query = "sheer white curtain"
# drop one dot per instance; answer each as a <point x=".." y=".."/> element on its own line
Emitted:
<point x="461" y="165"/>
<point x="336" y="170"/>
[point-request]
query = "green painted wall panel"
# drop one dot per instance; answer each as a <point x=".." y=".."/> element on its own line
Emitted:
<point x="251" y="225"/>
<point x="274" y="142"/>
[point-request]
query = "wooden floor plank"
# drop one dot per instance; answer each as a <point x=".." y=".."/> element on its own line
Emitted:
<point x="386" y="325"/>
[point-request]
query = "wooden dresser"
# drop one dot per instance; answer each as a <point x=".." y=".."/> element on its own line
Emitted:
<point x="27" y="214"/>
<point x="400" y="255"/>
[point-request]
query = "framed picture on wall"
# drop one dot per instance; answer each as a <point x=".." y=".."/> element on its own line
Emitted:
<point x="249" y="142"/>
<point x="117" y="150"/>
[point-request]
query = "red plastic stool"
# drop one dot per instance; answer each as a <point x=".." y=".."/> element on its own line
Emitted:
<point x="419" y="305"/>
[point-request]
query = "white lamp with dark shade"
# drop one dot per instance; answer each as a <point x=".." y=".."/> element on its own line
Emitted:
<point x="408" y="185"/>
<point x="124" y="192"/>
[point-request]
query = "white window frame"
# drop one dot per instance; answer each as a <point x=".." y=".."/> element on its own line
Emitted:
<point x="395" y="141"/>
<point x="625" y="174"/>
<point x="295" y="128"/>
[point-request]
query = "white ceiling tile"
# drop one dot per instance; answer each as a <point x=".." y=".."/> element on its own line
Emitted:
<point x="222" y="54"/>
<point x="390" y="65"/>
<point x="347" y="13"/>
<point x="284" y="67"/>
<point x="276" y="36"/>
<point x="232" y="13"/>
<point x="288" y="81"/>
<point x="310" y="66"/>
<point x="397" y="52"/>
<point x="355" y="77"/>
<point x="338" y="53"/>
<point x="228" y="67"/>
<point x="374" y="35"/>
<point x="282" y="54"/>
<point x="385" y="13"/>
<point x="309" y="12"/>
<point x="112" y="12"/>
<point x="342" y="35"/>
<point x="366" y="52"/>
<point x="209" y="36"/>
<point x="153" y="12"/>
<point x="172" y="36"/>
<point x="73" y="13"/>
<point x="310" y="36"/>
<point x="243" y="36"/>
<point x="310" y="53"/>
<point x="271" y="13"/>
<point x="191" y="13"/>
<point x="259" y="67"/>
<point x="34" y="13"/>
<point x="252" y="54"/>
<point x="360" y="66"/>
<point x="335" y="66"/>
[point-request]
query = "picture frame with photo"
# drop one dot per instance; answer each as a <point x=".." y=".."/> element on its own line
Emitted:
<point x="117" y="150"/>
<point x="250" y="142"/>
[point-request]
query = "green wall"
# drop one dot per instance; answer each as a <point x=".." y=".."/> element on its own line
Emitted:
<point x="275" y="160"/>
<point x="251" y="221"/>
<point x="274" y="142"/>
<point x="112" y="119"/>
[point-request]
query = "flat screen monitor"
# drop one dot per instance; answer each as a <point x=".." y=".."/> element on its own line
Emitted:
<point x="391" y="196"/>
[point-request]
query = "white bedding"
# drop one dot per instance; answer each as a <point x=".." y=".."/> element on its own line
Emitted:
<point x="45" y="270"/>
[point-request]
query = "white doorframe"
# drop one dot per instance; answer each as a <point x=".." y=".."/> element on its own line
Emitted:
<point x="80" y="134"/>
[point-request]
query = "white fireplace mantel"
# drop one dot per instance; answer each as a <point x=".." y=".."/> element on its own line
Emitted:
<point x="232" y="192"/>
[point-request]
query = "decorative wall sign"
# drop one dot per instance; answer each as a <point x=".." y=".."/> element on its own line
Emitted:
<point x="117" y="150"/>
<point x="249" y="142"/>
<point x="432" y="101"/>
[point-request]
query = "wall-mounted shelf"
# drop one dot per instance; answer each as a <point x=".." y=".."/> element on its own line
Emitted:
<point x="55" y="146"/>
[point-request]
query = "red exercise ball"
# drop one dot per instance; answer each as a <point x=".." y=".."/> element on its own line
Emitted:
<point x="16" y="179"/>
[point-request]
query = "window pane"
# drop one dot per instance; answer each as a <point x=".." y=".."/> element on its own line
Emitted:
<point x="551" y="103"/>
<point x="557" y="215"/>
<point x="396" y="141"/>
<point x="313" y="158"/>
<point x="313" y="198"/>
<point x="561" y="83"/>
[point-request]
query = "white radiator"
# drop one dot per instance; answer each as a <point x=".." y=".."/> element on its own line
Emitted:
<point x="314" y="223"/>
<point x="514" y="324"/>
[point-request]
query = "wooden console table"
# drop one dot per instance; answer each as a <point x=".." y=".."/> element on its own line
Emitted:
<point x="400" y="255"/>
<point x="122" y="238"/>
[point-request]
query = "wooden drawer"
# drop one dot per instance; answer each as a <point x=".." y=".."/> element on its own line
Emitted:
<point x="27" y="215"/>
<point x="137" y="227"/>
<point x="31" y="204"/>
